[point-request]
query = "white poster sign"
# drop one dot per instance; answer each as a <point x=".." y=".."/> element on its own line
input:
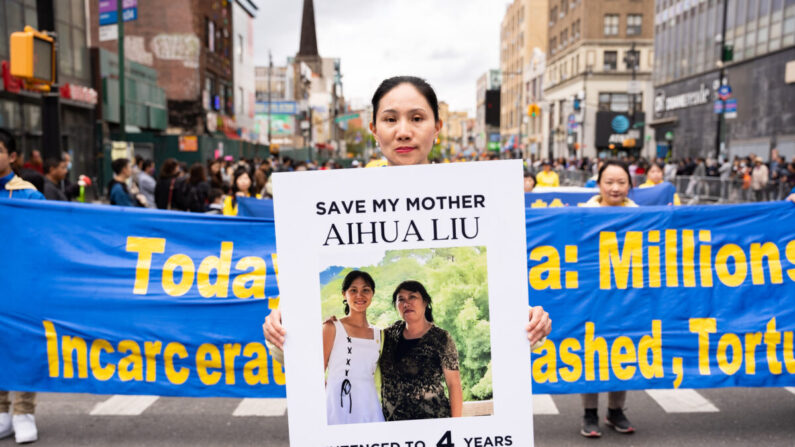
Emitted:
<point x="441" y="243"/>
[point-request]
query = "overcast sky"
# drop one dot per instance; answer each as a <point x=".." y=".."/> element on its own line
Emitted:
<point x="448" y="42"/>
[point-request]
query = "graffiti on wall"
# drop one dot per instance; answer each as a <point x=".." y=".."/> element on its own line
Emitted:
<point x="135" y="50"/>
<point x="177" y="47"/>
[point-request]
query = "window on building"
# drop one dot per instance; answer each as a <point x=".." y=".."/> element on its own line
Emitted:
<point x="240" y="47"/>
<point x="209" y="33"/>
<point x="611" y="25"/>
<point x="610" y="60"/>
<point x="553" y="16"/>
<point x="619" y="102"/>
<point x="553" y="43"/>
<point x="634" y="24"/>
<point x="564" y="6"/>
<point x="564" y="37"/>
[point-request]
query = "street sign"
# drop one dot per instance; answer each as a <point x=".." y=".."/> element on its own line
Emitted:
<point x="109" y="32"/>
<point x="731" y="108"/>
<point x="633" y="87"/>
<point x="718" y="106"/>
<point x="108" y="11"/>
<point x="724" y="92"/>
<point x="347" y="117"/>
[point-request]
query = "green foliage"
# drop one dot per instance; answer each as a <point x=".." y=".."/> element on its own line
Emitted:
<point x="457" y="280"/>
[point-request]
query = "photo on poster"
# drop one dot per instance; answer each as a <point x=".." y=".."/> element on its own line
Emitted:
<point x="376" y="374"/>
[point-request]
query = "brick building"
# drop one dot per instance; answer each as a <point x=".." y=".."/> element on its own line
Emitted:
<point x="190" y="45"/>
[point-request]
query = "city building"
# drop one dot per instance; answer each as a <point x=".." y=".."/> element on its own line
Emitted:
<point x="487" y="111"/>
<point x="190" y="45"/>
<point x="21" y="109"/>
<point x="535" y="105"/>
<point x="522" y="30"/>
<point x="598" y="78"/>
<point x="274" y="86"/>
<point x="243" y="14"/>
<point x="756" y="96"/>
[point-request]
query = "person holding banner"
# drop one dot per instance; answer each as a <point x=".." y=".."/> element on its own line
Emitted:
<point x="23" y="421"/>
<point x="614" y="182"/>
<point x="241" y="187"/>
<point x="654" y="176"/>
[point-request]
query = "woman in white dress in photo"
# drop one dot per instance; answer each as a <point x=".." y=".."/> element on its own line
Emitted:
<point x="351" y="348"/>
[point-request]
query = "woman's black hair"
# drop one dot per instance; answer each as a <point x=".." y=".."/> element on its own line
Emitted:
<point x="653" y="164"/>
<point x="618" y="163"/>
<point x="349" y="279"/>
<point x="420" y="84"/>
<point x="416" y="287"/>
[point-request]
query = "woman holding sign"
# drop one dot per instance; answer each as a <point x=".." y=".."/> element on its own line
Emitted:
<point x="406" y="124"/>
<point x="614" y="183"/>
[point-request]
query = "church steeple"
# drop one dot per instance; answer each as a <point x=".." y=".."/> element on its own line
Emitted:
<point x="307" y="51"/>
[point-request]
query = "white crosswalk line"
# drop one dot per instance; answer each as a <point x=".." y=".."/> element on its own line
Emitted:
<point x="261" y="407"/>
<point x="543" y="404"/>
<point x="682" y="401"/>
<point x="791" y="389"/>
<point x="119" y="405"/>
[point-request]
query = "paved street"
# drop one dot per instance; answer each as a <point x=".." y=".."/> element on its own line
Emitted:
<point x="724" y="417"/>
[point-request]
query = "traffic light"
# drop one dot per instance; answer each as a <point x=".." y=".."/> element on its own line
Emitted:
<point x="533" y="110"/>
<point x="33" y="56"/>
<point x="576" y="104"/>
<point x="728" y="53"/>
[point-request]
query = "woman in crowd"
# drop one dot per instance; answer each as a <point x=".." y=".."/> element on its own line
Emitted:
<point x="529" y="181"/>
<point x="418" y="360"/>
<point x="654" y="176"/>
<point x="166" y="184"/>
<point x="351" y="348"/>
<point x="214" y="168"/>
<point x="241" y="187"/>
<point x="614" y="184"/>
<point x="195" y="191"/>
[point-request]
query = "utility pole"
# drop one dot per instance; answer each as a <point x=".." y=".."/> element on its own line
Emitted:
<point x="51" y="101"/>
<point x="721" y="79"/>
<point x="122" y="95"/>
<point x="270" y="69"/>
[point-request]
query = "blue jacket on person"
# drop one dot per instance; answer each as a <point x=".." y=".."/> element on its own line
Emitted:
<point x="118" y="194"/>
<point x="13" y="187"/>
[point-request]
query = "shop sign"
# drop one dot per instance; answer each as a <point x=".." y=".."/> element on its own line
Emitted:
<point x="616" y="128"/>
<point x="188" y="143"/>
<point x="681" y="101"/>
<point x="79" y="93"/>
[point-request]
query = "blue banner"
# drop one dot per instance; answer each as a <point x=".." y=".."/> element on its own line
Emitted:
<point x="664" y="297"/>
<point x="662" y="194"/>
<point x="115" y="300"/>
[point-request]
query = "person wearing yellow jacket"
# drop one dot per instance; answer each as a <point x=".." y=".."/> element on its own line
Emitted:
<point x="241" y="187"/>
<point x="547" y="177"/>
<point x="654" y="176"/>
<point x="614" y="183"/>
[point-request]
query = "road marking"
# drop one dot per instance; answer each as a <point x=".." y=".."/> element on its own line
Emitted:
<point x="261" y="407"/>
<point x="119" y="405"/>
<point x="791" y="389"/>
<point x="543" y="404"/>
<point x="682" y="401"/>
